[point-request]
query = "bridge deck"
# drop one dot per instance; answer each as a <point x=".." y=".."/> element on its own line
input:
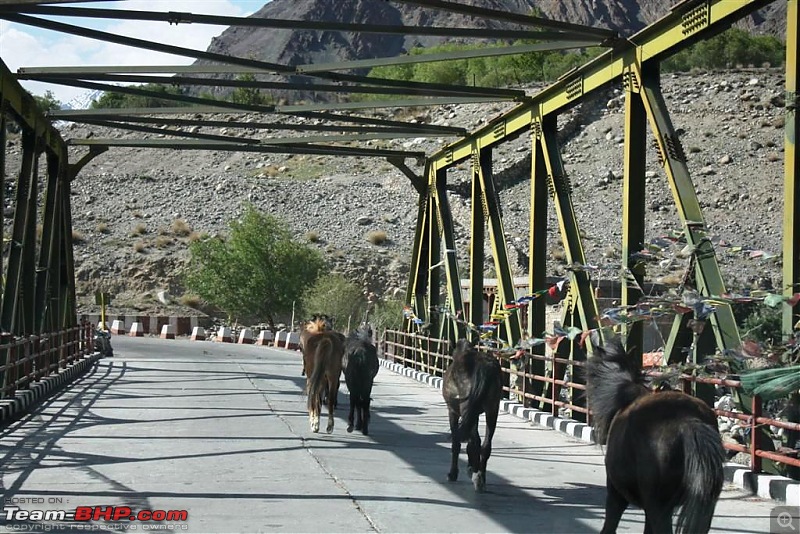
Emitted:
<point x="221" y="431"/>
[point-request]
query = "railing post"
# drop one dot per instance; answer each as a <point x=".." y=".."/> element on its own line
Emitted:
<point x="755" y="460"/>
<point x="554" y="388"/>
<point x="12" y="370"/>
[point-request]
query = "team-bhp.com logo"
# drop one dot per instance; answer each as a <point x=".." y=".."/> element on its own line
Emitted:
<point x="18" y="519"/>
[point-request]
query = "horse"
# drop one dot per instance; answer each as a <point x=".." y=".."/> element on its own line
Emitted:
<point x="663" y="449"/>
<point x="322" y="360"/>
<point x="473" y="384"/>
<point x="360" y="367"/>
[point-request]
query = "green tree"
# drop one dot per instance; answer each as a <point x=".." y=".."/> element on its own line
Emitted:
<point x="336" y="296"/>
<point x="47" y="102"/>
<point x="257" y="273"/>
<point x="250" y="96"/>
<point x="387" y="314"/>
<point x="111" y="99"/>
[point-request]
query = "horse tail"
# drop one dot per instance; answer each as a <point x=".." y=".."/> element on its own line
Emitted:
<point x="485" y="377"/>
<point x="317" y="378"/>
<point x="703" y="458"/>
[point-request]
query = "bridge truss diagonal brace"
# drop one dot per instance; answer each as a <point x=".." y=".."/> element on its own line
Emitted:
<point x="444" y="217"/>
<point x="707" y="274"/>
<point x="420" y="264"/>
<point x="482" y="172"/>
<point x="582" y="311"/>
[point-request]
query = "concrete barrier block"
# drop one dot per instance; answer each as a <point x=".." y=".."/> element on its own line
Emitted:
<point x="265" y="338"/>
<point x="118" y="327"/>
<point x="224" y="335"/>
<point x="168" y="331"/>
<point x="137" y="330"/>
<point x="198" y="333"/>
<point x="246" y="336"/>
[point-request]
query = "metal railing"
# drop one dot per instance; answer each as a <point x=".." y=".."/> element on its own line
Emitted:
<point x="552" y="391"/>
<point x="30" y="359"/>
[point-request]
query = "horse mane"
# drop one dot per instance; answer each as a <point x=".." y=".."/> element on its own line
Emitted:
<point x="317" y="324"/>
<point x="360" y="334"/>
<point x="613" y="382"/>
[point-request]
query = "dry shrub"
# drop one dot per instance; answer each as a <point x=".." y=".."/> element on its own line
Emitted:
<point x="181" y="228"/>
<point x="102" y="228"/>
<point x="139" y="229"/>
<point x="139" y="246"/>
<point x="192" y="301"/>
<point x="312" y="236"/>
<point x="163" y="241"/>
<point x="77" y="237"/>
<point x="377" y="237"/>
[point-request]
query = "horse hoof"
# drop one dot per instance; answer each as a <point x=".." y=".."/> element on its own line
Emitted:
<point x="349" y="428"/>
<point x="452" y="477"/>
<point x="365" y="432"/>
<point x="479" y="481"/>
<point x="330" y="429"/>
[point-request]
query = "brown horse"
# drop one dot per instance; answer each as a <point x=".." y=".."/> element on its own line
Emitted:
<point x="472" y="385"/>
<point x="315" y="325"/>
<point x="663" y="450"/>
<point x="322" y="362"/>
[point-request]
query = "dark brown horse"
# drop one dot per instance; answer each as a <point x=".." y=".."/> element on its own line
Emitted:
<point x="663" y="450"/>
<point x="322" y="362"/>
<point x="360" y="367"/>
<point x="472" y="385"/>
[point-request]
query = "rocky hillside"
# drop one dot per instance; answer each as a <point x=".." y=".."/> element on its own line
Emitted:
<point x="297" y="47"/>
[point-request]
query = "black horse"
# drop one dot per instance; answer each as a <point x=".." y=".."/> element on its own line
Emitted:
<point x="360" y="367"/>
<point x="663" y="450"/>
<point x="472" y="385"/>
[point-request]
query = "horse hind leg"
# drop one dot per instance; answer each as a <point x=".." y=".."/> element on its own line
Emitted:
<point x="352" y="412"/>
<point x="365" y="416"/>
<point x="615" y="506"/>
<point x="360" y="413"/>
<point x="455" y="446"/>
<point x="474" y="452"/>
<point x="333" y="392"/>
<point x="479" y="478"/>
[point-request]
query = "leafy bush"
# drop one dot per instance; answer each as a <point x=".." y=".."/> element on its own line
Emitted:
<point x="337" y="297"/>
<point x="763" y="324"/>
<point x="257" y="273"/>
<point x="729" y="49"/>
<point x="387" y="314"/>
<point x="123" y="100"/>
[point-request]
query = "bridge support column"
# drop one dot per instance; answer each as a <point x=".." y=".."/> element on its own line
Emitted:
<point x="791" y="188"/>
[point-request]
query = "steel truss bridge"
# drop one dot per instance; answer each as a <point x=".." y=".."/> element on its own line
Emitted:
<point x="38" y="298"/>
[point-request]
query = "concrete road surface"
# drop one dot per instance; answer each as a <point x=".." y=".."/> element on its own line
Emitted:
<point x="220" y="432"/>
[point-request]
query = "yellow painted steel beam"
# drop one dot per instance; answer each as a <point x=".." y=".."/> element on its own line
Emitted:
<point x="482" y="170"/>
<point x="447" y="233"/>
<point x="633" y="206"/>
<point x="434" y="262"/>
<point x="791" y="185"/>
<point x="673" y="158"/>
<point x="561" y="193"/>
<point x="476" y="255"/>
<point x="683" y="26"/>
<point x="418" y="272"/>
